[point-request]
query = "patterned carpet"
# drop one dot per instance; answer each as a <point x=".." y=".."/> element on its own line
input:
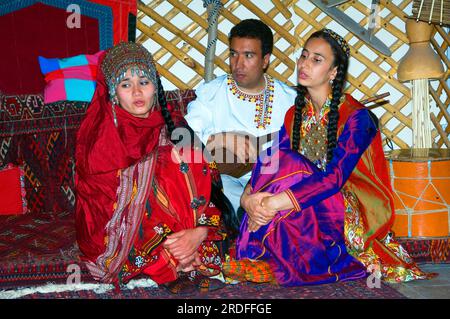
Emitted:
<point x="349" y="290"/>
<point x="37" y="248"/>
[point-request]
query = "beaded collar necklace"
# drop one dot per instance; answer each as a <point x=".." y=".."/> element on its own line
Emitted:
<point x="309" y="117"/>
<point x="263" y="100"/>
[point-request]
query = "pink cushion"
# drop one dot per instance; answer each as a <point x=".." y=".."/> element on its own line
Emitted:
<point x="72" y="78"/>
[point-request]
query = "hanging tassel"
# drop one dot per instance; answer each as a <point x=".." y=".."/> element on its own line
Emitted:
<point x="131" y="255"/>
<point x="148" y="209"/>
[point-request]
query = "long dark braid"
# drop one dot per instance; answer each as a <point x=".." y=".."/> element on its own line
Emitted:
<point x="164" y="110"/>
<point x="299" y="105"/>
<point x="333" y="115"/>
<point x="341" y="62"/>
<point x="168" y="118"/>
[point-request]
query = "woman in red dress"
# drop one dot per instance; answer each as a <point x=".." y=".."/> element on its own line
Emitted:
<point x="143" y="207"/>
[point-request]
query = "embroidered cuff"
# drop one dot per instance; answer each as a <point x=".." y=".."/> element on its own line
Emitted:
<point x="293" y="200"/>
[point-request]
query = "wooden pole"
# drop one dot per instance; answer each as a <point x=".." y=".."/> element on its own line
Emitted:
<point x="213" y="12"/>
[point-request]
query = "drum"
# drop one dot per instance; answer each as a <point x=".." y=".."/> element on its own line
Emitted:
<point x="420" y="179"/>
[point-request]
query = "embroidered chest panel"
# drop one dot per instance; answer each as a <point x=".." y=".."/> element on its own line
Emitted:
<point x="263" y="101"/>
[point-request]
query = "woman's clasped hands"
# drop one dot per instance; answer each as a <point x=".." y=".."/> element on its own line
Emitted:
<point x="259" y="208"/>
<point x="183" y="246"/>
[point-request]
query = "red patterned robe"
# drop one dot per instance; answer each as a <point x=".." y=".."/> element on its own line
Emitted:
<point x="134" y="187"/>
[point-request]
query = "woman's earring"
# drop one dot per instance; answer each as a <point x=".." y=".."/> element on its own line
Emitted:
<point x="113" y="106"/>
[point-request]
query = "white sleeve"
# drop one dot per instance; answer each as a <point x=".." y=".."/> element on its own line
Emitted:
<point x="199" y="118"/>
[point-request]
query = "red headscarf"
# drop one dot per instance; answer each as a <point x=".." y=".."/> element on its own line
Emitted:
<point x="102" y="147"/>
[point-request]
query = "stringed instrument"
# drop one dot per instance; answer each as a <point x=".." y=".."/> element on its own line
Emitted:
<point x="228" y="163"/>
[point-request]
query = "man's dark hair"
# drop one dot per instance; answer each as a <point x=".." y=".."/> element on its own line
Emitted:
<point x="254" y="29"/>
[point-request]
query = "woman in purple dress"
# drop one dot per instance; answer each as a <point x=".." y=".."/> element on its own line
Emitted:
<point x="319" y="206"/>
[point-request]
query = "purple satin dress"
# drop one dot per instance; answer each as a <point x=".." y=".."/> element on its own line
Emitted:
<point x="302" y="247"/>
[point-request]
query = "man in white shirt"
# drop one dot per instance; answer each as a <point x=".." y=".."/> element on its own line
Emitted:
<point x="246" y="100"/>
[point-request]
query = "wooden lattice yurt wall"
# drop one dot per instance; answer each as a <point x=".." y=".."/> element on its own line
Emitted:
<point x="175" y="32"/>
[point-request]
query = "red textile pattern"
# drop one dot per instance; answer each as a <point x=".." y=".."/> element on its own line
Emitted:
<point x="36" y="30"/>
<point x="41" y="138"/>
<point x="12" y="192"/>
<point x="423" y="250"/>
<point x="440" y="250"/>
<point x="37" y="248"/>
